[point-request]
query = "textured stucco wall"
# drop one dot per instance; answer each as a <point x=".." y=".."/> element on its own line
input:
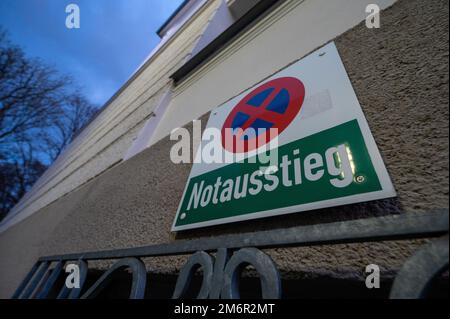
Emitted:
<point x="400" y="75"/>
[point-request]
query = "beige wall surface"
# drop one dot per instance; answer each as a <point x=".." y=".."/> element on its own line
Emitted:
<point x="400" y="75"/>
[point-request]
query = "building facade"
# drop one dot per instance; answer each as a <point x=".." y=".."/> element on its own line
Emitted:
<point x="116" y="187"/>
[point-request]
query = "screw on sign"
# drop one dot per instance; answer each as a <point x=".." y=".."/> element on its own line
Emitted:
<point x="273" y="105"/>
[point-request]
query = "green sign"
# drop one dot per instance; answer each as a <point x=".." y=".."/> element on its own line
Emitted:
<point x="316" y="167"/>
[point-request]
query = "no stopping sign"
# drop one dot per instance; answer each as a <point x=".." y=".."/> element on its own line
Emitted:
<point x="273" y="105"/>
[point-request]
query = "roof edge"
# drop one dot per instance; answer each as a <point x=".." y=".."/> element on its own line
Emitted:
<point x="172" y="16"/>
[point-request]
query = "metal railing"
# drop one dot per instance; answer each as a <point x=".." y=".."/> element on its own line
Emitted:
<point x="221" y="271"/>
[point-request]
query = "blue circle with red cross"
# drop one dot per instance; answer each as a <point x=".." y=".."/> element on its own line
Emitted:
<point x="273" y="105"/>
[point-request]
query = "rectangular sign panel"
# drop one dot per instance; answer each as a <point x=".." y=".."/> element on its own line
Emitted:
<point x="304" y="144"/>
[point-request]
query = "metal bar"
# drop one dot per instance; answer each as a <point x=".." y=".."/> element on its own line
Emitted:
<point x="35" y="280"/>
<point x="404" y="226"/>
<point x="138" y="272"/>
<point x="24" y="283"/>
<point x="418" y="272"/>
<point x="74" y="293"/>
<point x="41" y="284"/>
<point x="50" y="281"/>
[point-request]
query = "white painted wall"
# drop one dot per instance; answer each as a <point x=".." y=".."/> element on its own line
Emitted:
<point x="286" y="35"/>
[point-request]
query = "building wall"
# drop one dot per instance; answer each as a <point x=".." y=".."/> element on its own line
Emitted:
<point x="400" y="75"/>
<point x="105" y="141"/>
<point x="291" y="31"/>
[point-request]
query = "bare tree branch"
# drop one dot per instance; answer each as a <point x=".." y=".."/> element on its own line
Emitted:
<point x="41" y="111"/>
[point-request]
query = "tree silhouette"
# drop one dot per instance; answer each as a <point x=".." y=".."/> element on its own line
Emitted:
<point x="41" y="111"/>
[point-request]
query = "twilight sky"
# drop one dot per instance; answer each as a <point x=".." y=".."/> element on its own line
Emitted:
<point x="114" y="38"/>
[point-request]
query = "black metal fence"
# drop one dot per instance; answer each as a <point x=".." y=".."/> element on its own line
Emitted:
<point x="232" y="253"/>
